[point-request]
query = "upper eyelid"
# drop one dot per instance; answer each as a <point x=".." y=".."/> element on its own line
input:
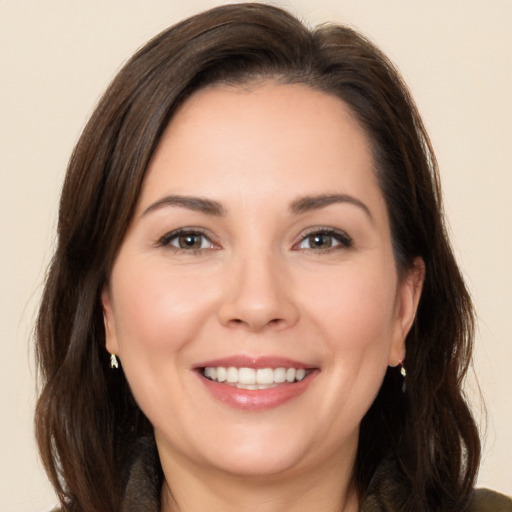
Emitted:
<point x="344" y="239"/>
<point x="214" y="240"/>
<point x="183" y="231"/>
<point x="324" y="230"/>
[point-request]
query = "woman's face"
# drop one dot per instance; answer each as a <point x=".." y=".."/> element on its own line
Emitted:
<point x="255" y="303"/>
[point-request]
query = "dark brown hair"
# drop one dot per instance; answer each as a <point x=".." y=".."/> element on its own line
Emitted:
<point x="87" y="422"/>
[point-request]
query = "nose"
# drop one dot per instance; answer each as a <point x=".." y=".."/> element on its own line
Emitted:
<point x="259" y="296"/>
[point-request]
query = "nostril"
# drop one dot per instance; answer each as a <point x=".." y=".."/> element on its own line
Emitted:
<point x="236" y="322"/>
<point x="255" y="324"/>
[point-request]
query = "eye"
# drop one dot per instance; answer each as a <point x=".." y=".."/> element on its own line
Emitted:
<point x="186" y="240"/>
<point x="325" y="240"/>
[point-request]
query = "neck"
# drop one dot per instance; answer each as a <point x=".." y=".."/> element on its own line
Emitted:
<point x="188" y="489"/>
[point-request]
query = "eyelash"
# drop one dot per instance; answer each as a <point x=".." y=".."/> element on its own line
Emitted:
<point x="343" y="240"/>
<point x="167" y="239"/>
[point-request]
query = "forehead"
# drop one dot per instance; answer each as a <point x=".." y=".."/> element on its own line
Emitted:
<point x="226" y="140"/>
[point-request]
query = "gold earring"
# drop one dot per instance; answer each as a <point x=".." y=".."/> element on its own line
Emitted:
<point x="403" y="373"/>
<point x="114" y="363"/>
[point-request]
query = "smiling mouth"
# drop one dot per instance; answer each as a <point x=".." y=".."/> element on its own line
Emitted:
<point x="251" y="378"/>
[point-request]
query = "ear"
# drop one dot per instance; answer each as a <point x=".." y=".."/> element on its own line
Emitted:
<point x="109" y="322"/>
<point x="408" y="298"/>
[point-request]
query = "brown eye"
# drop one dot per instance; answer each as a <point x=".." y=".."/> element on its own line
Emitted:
<point x="324" y="240"/>
<point x="320" y="241"/>
<point x="190" y="241"/>
<point x="186" y="240"/>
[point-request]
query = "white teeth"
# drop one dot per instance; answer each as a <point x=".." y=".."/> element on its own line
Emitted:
<point x="211" y="373"/>
<point x="247" y="386"/>
<point x="221" y="374"/>
<point x="249" y="378"/>
<point x="279" y="375"/>
<point x="264" y="375"/>
<point x="231" y="375"/>
<point x="300" y="374"/>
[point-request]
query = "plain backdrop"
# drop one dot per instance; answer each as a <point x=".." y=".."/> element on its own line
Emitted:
<point x="57" y="57"/>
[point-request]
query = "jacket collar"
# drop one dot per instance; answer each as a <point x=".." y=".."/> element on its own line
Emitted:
<point x="145" y="478"/>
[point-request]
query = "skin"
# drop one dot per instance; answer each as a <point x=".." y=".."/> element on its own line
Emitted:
<point x="258" y="285"/>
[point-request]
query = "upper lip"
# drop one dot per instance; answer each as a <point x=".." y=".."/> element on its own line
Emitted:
<point x="246" y="361"/>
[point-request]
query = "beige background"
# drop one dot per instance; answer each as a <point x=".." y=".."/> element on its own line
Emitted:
<point x="57" y="56"/>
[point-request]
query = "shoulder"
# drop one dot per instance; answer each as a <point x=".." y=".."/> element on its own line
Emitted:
<point x="486" y="500"/>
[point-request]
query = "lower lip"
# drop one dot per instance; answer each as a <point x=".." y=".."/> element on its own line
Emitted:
<point x="257" y="399"/>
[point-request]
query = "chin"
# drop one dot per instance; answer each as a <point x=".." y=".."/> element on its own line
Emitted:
<point x="259" y="465"/>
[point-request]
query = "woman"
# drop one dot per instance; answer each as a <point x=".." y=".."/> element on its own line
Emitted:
<point x="253" y="304"/>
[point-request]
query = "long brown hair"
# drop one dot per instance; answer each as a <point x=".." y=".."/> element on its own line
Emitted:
<point x="87" y="422"/>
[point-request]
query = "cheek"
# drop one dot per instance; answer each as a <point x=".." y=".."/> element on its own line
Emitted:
<point x="157" y="311"/>
<point x="356" y="310"/>
<point x="353" y="309"/>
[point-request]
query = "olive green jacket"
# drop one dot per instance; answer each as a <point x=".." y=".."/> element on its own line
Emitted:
<point x="385" y="491"/>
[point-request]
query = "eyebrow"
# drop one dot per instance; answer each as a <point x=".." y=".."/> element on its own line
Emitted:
<point x="198" y="204"/>
<point x="308" y="203"/>
<point x="300" y="205"/>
